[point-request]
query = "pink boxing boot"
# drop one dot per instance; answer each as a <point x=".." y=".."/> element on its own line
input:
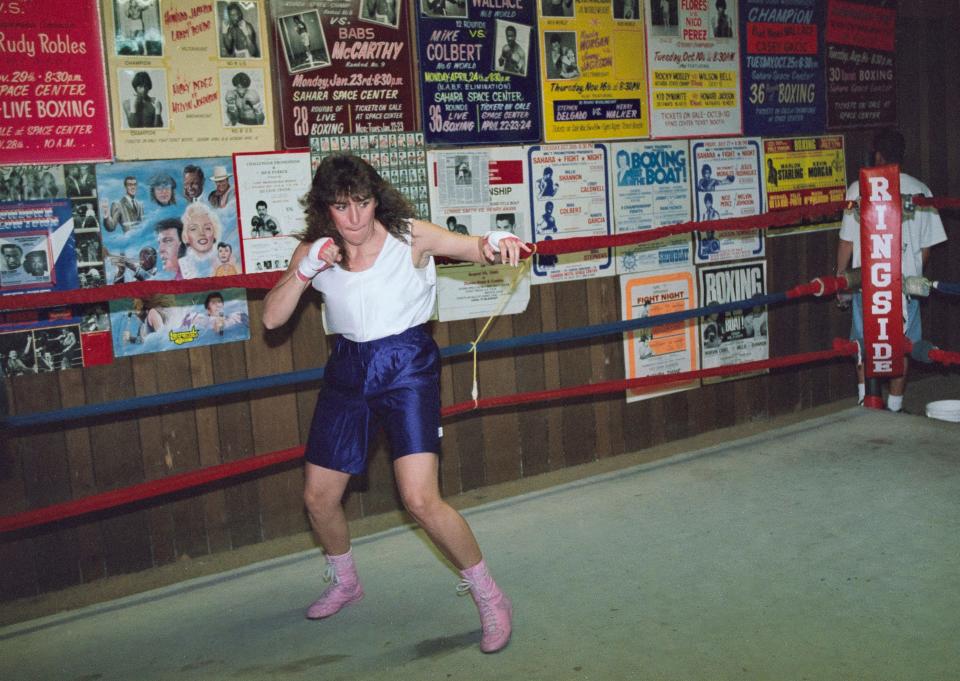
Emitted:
<point x="344" y="589"/>
<point x="496" y="610"/>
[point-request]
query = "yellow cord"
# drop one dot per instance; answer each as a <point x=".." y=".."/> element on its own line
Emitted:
<point x="521" y="271"/>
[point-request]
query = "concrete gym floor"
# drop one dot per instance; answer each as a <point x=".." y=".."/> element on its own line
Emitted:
<point x="826" y="549"/>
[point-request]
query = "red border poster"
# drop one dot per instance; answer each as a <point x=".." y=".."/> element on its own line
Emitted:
<point x="342" y="67"/>
<point x="53" y="93"/>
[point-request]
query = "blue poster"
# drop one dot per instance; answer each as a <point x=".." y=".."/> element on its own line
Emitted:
<point x="479" y="76"/>
<point x="37" y="251"/>
<point x="783" y="75"/>
<point x="173" y="219"/>
<point x="178" y="321"/>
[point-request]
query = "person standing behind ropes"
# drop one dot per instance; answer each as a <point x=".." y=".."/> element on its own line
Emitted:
<point x="373" y="262"/>
<point x="920" y="230"/>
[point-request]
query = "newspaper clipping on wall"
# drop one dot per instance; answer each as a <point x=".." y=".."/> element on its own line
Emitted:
<point x="496" y="200"/>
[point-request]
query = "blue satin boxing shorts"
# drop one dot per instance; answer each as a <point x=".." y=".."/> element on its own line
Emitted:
<point x="392" y="382"/>
<point x="911" y="310"/>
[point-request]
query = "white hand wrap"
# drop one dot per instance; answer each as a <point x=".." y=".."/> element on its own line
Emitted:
<point x="915" y="286"/>
<point x="311" y="264"/>
<point x="494" y="239"/>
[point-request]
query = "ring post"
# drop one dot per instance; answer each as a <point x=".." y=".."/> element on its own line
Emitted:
<point x="880" y="254"/>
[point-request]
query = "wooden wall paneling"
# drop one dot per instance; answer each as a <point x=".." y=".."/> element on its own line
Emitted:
<point x="948" y="255"/>
<point x="501" y="428"/>
<point x="16" y="549"/>
<point x="677" y="410"/>
<point x="152" y="450"/>
<point x="275" y="427"/>
<point x="636" y="420"/>
<point x="782" y="324"/>
<point x="820" y="262"/>
<point x="181" y="442"/>
<point x="19" y="578"/>
<point x="46" y="478"/>
<point x="842" y="379"/>
<point x="235" y="435"/>
<point x="579" y="424"/>
<point x="942" y="173"/>
<point x="82" y="478"/>
<point x="470" y="446"/>
<point x="115" y="445"/>
<point x="449" y="461"/>
<point x="529" y="367"/>
<point x="606" y="363"/>
<point x="212" y="499"/>
<point x="551" y="375"/>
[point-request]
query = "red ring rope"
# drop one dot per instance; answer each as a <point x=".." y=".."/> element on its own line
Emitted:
<point x="190" y="479"/>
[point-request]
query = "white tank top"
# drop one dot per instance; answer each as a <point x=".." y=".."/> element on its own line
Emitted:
<point x="383" y="300"/>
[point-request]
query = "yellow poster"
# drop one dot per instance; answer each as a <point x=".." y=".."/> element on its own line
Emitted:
<point x="804" y="171"/>
<point x="694" y="57"/>
<point x="188" y="78"/>
<point x="593" y="68"/>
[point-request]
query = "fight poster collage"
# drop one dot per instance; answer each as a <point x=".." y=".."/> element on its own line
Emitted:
<point x="181" y="144"/>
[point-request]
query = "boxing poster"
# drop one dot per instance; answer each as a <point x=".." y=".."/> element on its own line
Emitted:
<point x="53" y="94"/>
<point x="270" y="190"/>
<point x="727" y="184"/>
<point x="569" y="197"/>
<point x="783" y="85"/>
<point x="804" y="171"/>
<point x="651" y="188"/>
<point x="37" y="250"/>
<point x="342" y="67"/>
<point x="693" y="56"/>
<point x="741" y="335"/>
<point x="479" y="81"/>
<point x="667" y="348"/>
<point x="168" y="220"/>
<point x="163" y="322"/>
<point x="593" y="68"/>
<point x="188" y="78"/>
<point x="40" y="341"/>
<point x="76" y="181"/>
<point x="470" y="290"/>
<point x="861" y="63"/>
<point x="400" y="158"/>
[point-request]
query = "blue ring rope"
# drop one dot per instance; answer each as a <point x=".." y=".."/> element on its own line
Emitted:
<point x="948" y="287"/>
<point x="180" y="397"/>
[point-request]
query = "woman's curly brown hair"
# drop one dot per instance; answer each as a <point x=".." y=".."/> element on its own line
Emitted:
<point x="343" y="176"/>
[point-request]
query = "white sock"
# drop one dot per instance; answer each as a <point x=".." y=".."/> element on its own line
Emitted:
<point x="894" y="402"/>
<point x="861" y="391"/>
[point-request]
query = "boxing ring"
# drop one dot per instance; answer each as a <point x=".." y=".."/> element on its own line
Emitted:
<point x="824" y="549"/>
<point x="791" y="552"/>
